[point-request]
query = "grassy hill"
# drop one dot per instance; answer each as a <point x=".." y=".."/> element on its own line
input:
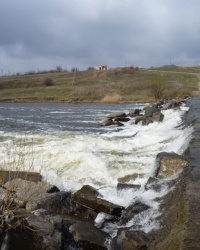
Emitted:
<point x="119" y="84"/>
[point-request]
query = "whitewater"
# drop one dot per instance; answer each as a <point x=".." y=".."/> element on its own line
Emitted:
<point x="65" y="143"/>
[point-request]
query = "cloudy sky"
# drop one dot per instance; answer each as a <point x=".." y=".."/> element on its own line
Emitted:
<point x="42" y="34"/>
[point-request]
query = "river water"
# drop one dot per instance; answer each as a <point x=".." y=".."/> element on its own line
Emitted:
<point x="65" y="143"/>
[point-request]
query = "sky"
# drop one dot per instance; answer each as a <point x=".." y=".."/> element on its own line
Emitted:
<point x="42" y="34"/>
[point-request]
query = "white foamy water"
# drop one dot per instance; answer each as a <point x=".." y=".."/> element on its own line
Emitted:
<point x="69" y="159"/>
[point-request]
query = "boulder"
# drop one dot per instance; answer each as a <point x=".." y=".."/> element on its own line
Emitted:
<point x="54" y="203"/>
<point x="27" y="190"/>
<point x="97" y="204"/>
<point x="88" y="236"/>
<point x="106" y="122"/>
<point x="89" y="190"/>
<point x="130" y="240"/>
<point x="6" y="176"/>
<point x="134" y="112"/>
<point x="121" y="119"/>
<point x="61" y="203"/>
<point x="157" y="117"/>
<point x="117" y="114"/>
<point x="169" y="164"/>
<point x="143" y="119"/>
<point x="131" y="211"/>
<point x="150" y="111"/>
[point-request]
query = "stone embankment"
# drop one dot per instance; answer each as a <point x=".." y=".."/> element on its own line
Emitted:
<point x="37" y="215"/>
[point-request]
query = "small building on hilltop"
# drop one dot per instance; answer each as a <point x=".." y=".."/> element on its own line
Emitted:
<point x="102" y="67"/>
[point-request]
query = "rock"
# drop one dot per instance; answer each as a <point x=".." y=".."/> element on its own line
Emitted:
<point x="131" y="211"/>
<point x="150" y="111"/>
<point x="61" y="203"/>
<point x="143" y="119"/>
<point x="121" y="119"/>
<point x="169" y="164"/>
<point x="106" y="122"/>
<point x="119" y="124"/>
<point x="116" y="114"/>
<point x="68" y="241"/>
<point x="122" y="186"/>
<point x="170" y="104"/>
<point x="97" y="204"/>
<point x="130" y="240"/>
<point x="47" y="235"/>
<point x="88" y="236"/>
<point x="89" y="190"/>
<point x="153" y="184"/>
<point x="54" y="203"/>
<point x="133" y="113"/>
<point x="27" y="190"/>
<point x="6" y="176"/>
<point x="157" y="117"/>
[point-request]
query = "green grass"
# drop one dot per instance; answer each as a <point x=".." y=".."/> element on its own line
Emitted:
<point x="93" y="85"/>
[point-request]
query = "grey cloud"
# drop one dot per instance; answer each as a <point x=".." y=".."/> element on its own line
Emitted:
<point x="84" y="32"/>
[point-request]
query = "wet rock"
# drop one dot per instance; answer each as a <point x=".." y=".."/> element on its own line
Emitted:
<point x="106" y="122"/>
<point x="117" y="114"/>
<point x="169" y="164"/>
<point x="121" y="119"/>
<point x="150" y="111"/>
<point x="134" y="113"/>
<point x="131" y="211"/>
<point x="88" y="236"/>
<point x="130" y="240"/>
<point x="143" y="119"/>
<point x="153" y="184"/>
<point x="97" y="204"/>
<point x="119" y="124"/>
<point x="157" y="117"/>
<point x="89" y="190"/>
<point x="122" y="186"/>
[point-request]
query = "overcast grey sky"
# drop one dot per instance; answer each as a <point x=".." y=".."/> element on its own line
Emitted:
<point x="42" y="34"/>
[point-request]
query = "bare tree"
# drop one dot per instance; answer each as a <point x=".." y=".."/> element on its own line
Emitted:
<point x="157" y="87"/>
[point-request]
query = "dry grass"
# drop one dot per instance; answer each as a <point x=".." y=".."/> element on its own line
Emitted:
<point x="112" y="98"/>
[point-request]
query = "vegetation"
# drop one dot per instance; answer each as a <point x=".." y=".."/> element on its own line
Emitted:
<point x="128" y="84"/>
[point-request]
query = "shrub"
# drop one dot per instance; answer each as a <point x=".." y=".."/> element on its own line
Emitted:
<point x="48" y="81"/>
<point x="157" y="87"/>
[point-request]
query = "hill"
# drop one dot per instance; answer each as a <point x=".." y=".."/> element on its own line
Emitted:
<point x="126" y="84"/>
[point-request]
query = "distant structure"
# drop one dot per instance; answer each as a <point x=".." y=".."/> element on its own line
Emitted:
<point x="102" y="67"/>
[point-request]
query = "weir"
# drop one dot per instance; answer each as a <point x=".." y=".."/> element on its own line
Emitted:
<point x="192" y="224"/>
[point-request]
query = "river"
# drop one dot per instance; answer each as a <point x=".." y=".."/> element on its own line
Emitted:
<point x="65" y="143"/>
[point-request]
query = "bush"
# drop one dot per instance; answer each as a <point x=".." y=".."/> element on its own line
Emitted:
<point x="48" y="81"/>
